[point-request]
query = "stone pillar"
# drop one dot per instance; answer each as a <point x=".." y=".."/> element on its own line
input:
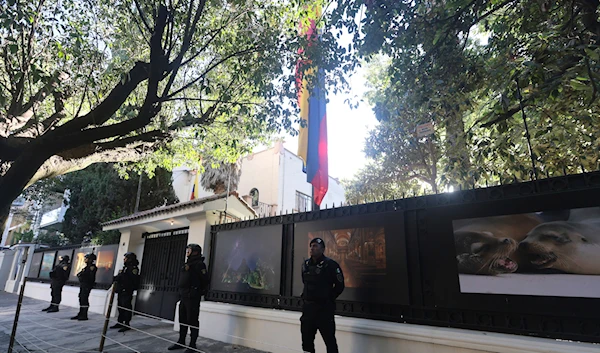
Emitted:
<point x="199" y="233"/>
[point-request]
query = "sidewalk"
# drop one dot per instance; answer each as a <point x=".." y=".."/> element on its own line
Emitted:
<point x="38" y="331"/>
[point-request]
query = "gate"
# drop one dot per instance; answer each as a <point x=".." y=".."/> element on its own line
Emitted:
<point x="164" y="254"/>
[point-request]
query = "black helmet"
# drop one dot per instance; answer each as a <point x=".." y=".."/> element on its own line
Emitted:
<point x="91" y="256"/>
<point x="65" y="258"/>
<point x="195" y="247"/>
<point x="130" y="255"/>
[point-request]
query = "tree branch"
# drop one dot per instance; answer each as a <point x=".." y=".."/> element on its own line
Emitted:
<point x="114" y="100"/>
<point x="211" y="67"/>
<point x="57" y="165"/>
<point x="142" y="16"/>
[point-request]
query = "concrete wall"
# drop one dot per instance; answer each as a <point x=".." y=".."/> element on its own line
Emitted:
<point x="275" y="172"/>
<point x="99" y="298"/>
<point x="278" y="331"/>
<point x="6" y="259"/>
<point x="183" y="181"/>
<point x="261" y="171"/>
<point x="293" y="179"/>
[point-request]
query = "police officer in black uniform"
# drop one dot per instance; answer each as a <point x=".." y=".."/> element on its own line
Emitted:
<point x="87" y="279"/>
<point x="125" y="283"/>
<point x="193" y="283"/>
<point x="59" y="275"/>
<point x="323" y="283"/>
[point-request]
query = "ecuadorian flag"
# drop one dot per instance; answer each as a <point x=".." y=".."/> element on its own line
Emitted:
<point x="312" y="143"/>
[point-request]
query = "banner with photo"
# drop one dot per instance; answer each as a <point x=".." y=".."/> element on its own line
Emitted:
<point x="47" y="264"/>
<point x="548" y="253"/>
<point x="105" y="261"/>
<point x="370" y="249"/>
<point x="248" y="260"/>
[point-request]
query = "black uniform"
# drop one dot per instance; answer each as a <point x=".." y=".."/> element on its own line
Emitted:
<point x="87" y="280"/>
<point x="126" y="282"/>
<point x="193" y="283"/>
<point x="323" y="283"/>
<point x="59" y="275"/>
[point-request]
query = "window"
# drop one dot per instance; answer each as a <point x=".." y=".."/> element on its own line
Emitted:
<point x="303" y="202"/>
<point x="254" y="195"/>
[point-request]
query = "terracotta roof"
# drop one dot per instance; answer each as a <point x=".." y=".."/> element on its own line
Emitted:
<point x="176" y="207"/>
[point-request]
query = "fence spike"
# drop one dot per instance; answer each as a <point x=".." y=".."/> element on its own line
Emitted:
<point x="565" y="171"/>
<point x="547" y="174"/>
<point x="582" y="168"/>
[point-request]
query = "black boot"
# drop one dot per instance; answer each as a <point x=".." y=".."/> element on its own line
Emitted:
<point x="178" y="345"/>
<point x="48" y="308"/>
<point x="194" y="338"/>
<point x="192" y="345"/>
<point x="83" y="314"/>
<point x="76" y="317"/>
<point x="117" y="325"/>
<point x="125" y="328"/>
<point x="53" y="309"/>
<point x="181" y="341"/>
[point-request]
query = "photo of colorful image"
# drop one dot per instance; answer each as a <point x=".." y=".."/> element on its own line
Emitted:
<point x="248" y="260"/>
<point x="47" y="264"/>
<point x="105" y="262"/>
<point x="359" y="251"/>
<point x="541" y="253"/>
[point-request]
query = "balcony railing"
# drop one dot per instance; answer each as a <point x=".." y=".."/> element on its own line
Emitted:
<point x="53" y="217"/>
<point x="265" y="210"/>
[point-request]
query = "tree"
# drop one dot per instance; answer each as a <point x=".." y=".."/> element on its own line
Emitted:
<point x="113" y="81"/>
<point x="465" y="65"/>
<point x="98" y="195"/>
<point x="217" y="177"/>
<point x="25" y="237"/>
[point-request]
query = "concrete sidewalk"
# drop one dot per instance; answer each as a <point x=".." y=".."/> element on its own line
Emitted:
<point x="38" y="331"/>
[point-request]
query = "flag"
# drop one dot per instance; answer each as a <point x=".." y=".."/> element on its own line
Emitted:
<point x="312" y="140"/>
<point x="195" y="188"/>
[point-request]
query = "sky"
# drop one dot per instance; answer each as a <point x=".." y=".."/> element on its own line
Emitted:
<point x="346" y="129"/>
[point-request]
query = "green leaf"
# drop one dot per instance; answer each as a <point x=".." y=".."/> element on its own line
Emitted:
<point x="577" y="85"/>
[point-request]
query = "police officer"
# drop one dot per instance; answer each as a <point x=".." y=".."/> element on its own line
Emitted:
<point x="59" y="275"/>
<point x="323" y="283"/>
<point x="193" y="283"/>
<point x="87" y="279"/>
<point x="125" y="283"/>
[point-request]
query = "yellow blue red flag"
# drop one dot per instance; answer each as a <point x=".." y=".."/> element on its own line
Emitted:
<point x="312" y="141"/>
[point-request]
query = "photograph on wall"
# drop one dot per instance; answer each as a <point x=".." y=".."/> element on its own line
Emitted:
<point x="370" y="249"/>
<point x="105" y="259"/>
<point x="47" y="264"/>
<point x="105" y="262"/>
<point x="248" y="260"/>
<point x="78" y="262"/>
<point x="547" y="253"/>
<point x="360" y="252"/>
<point x="36" y="264"/>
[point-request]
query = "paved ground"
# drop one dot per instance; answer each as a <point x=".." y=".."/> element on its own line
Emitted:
<point x="38" y="331"/>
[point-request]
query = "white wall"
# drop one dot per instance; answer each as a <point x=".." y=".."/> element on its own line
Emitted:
<point x="261" y="171"/>
<point x="294" y="179"/>
<point x="278" y="331"/>
<point x="99" y="298"/>
<point x="183" y="181"/>
<point x="275" y="172"/>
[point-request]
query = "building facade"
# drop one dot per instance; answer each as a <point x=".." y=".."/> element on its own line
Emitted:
<point x="272" y="181"/>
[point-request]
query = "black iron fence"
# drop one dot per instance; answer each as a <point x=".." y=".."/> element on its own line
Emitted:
<point x="518" y="258"/>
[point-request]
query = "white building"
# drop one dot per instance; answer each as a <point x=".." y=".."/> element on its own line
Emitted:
<point x="272" y="181"/>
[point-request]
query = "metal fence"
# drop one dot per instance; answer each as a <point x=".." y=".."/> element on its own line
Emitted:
<point x="419" y="280"/>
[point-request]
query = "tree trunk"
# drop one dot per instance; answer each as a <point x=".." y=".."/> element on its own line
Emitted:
<point x="456" y="150"/>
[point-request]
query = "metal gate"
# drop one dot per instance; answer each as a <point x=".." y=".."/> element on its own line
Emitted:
<point x="164" y="254"/>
